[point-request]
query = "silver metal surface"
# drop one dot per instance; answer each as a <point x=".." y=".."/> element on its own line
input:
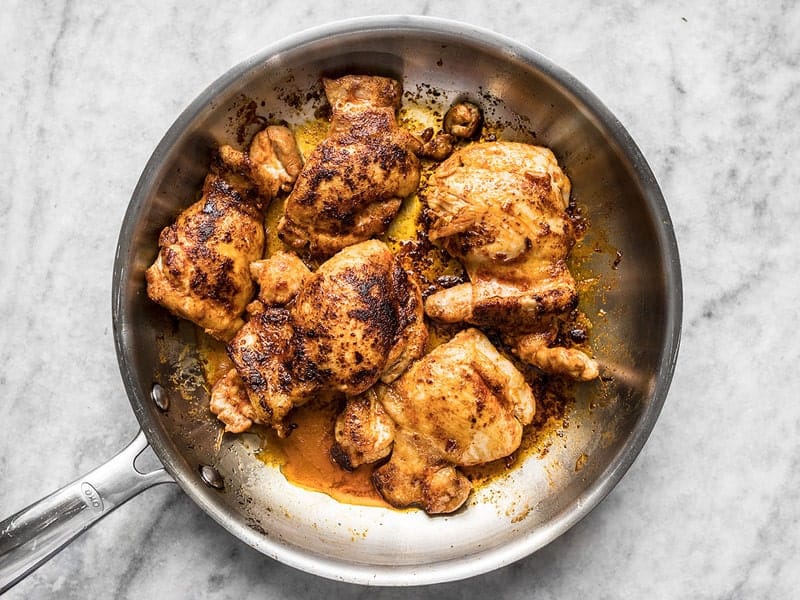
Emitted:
<point x="160" y="396"/>
<point x="34" y="534"/>
<point x="636" y="319"/>
<point x="211" y="477"/>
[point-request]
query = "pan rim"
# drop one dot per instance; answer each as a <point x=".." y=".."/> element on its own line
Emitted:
<point x="471" y="564"/>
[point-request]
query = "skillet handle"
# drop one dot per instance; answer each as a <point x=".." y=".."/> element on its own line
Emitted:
<point x="36" y="533"/>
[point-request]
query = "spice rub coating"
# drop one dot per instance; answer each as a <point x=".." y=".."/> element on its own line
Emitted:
<point x="354" y="181"/>
<point x="357" y="320"/>
<point x="501" y="209"/>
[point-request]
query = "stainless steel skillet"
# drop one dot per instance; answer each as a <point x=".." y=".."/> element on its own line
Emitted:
<point x="636" y="308"/>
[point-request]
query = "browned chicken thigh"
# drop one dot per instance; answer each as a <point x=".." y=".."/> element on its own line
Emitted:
<point x="500" y="208"/>
<point x="364" y="431"/>
<point x="231" y="404"/>
<point x="202" y="270"/>
<point x="354" y="181"/>
<point x="279" y="278"/>
<point x="462" y="404"/>
<point x="356" y="320"/>
<point x="272" y="162"/>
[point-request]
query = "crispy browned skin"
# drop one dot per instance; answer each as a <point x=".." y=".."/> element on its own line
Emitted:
<point x="417" y="475"/>
<point x="354" y="181"/>
<point x="269" y="356"/>
<point x="501" y="209"/>
<point x="462" y="120"/>
<point x="202" y="269"/>
<point x="436" y="147"/>
<point x="462" y="404"/>
<point x="272" y="162"/>
<point x="279" y="277"/>
<point x="364" y="431"/>
<point x="229" y="401"/>
<point x="535" y="348"/>
<point x="356" y="320"/>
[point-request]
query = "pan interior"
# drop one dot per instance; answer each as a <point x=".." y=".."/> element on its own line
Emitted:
<point x="636" y="310"/>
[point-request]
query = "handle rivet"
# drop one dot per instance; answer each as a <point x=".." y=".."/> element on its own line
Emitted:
<point x="160" y="396"/>
<point x="211" y="477"/>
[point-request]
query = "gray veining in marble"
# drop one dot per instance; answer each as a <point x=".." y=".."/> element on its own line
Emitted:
<point x="711" y="508"/>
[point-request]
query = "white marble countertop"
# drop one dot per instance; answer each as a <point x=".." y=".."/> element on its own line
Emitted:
<point x="710" y="509"/>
